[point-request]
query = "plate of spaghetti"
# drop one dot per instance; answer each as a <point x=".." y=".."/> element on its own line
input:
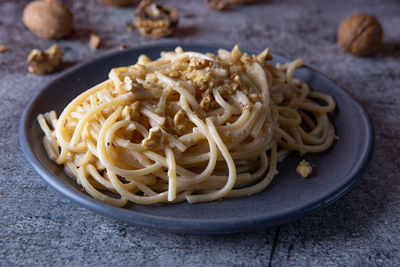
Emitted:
<point x="197" y="138"/>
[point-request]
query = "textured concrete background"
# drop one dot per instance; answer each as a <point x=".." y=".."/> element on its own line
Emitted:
<point x="39" y="226"/>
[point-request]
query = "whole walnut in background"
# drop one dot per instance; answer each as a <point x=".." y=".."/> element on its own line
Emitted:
<point x="48" y="19"/>
<point x="360" y="34"/>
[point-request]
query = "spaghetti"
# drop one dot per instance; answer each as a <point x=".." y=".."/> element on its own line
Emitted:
<point x="187" y="126"/>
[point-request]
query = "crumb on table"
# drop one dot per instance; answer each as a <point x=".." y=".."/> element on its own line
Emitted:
<point x="94" y="41"/>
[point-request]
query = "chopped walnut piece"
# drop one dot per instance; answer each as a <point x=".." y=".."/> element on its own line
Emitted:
<point x="205" y="100"/>
<point x="235" y="86"/>
<point x="179" y="119"/>
<point x="128" y="83"/>
<point x="154" y="140"/>
<point x="246" y="59"/>
<point x="304" y="168"/>
<point x="134" y="109"/>
<point x="143" y="59"/>
<point x="94" y="41"/>
<point x="45" y="62"/>
<point x="264" y="56"/>
<point x="154" y="20"/>
<point x="237" y="78"/>
<point x="236" y="53"/>
<point x="139" y="92"/>
<point x="253" y="97"/>
<point x="179" y="66"/>
<point x="200" y="78"/>
<point x="202" y="63"/>
<point x="3" y="48"/>
<point x="217" y="4"/>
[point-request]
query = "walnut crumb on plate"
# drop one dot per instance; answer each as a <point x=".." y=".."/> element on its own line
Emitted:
<point x="304" y="169"/>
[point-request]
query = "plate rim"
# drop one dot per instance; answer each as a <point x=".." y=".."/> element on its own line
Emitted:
<point x="186" y="225"/>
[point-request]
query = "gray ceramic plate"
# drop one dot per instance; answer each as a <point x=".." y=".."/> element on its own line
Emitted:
<point x="288" y="198"/>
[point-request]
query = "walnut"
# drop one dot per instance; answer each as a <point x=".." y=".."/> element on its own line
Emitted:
<point x="254" y="98"/>
<point x="154" y="20"/>
<point x="45" y="62"/>
<point x="217" y="4"/>
<point x="131" y="111"/>
<point x="139" y="92"/>
<point x="179" y="120"/>
<point x="154" y="140"/>
<point x="264" y="56"/>
<point x="205" y="100"/>
<point x="200" y="63"/>
<point x="48" y="19"/>
<point x="143" y="60"/>
<point x="117" y="3"/>
<point x="236" y="53"/>
<point x="360" y="34"/>
<point x="94" y="41"/>
<point x="3" y="48"/>
<point x="200" y="78"/>
<point x="181" y="124"/>
<point x="304" y="169"/>
<point x="135" y="110"/>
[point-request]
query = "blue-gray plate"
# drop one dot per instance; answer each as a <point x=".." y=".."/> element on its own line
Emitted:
<point x="289" y="197"/>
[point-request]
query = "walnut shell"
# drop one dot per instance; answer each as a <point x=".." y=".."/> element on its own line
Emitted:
<point x="154" y="20"/>
<point x="48" y="19"/>
<point x="117" y="3"/>
<point x="360" y="34"/>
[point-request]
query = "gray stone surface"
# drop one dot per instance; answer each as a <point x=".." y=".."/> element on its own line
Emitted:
<point x="40" y="227"/>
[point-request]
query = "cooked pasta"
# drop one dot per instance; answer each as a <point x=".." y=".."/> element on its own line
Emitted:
<point x="187" y="126"/>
